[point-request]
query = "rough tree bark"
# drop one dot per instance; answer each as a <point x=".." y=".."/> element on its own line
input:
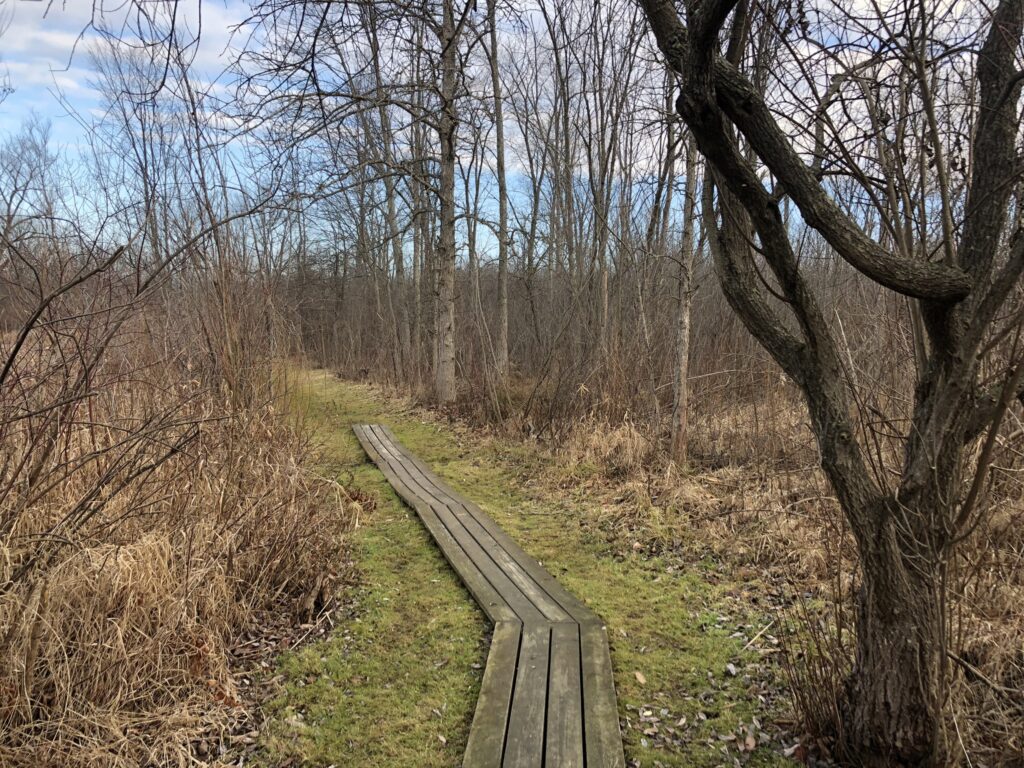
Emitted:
<point x="906" y="532"/>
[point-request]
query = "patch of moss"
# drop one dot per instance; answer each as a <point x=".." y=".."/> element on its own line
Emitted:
<point x="397" y="684"/>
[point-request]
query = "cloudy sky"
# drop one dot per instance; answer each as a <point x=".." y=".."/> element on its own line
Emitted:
<point x="44" y="54"/>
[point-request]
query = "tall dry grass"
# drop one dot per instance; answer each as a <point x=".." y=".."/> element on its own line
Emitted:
<point x="154" y="497"/>
<point x="756" y="498"/>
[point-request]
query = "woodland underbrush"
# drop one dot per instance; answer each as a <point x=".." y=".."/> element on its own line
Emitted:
<point x="755" y="499"/>
<point x="155" y="498"/>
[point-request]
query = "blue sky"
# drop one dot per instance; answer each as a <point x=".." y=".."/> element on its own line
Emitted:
<point x="44" y="53"/>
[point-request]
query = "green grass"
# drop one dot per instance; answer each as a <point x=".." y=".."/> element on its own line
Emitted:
<point x="396" y="684"/>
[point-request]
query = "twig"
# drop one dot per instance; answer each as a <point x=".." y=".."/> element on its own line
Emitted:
<point x="764" y="629"/>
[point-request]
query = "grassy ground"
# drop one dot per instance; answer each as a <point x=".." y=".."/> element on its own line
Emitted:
<point x="396" y="683"/>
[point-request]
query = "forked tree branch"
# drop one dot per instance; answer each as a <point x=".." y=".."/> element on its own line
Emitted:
<point x="745" y="107"/>
<point x="741" y="284"/>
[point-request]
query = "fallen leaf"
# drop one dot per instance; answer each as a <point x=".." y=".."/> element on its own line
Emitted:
<point x="640" y="678"/>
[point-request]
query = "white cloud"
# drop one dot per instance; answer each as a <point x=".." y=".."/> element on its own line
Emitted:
<point x="44" y="50"/>
<point x="33" y="75"/>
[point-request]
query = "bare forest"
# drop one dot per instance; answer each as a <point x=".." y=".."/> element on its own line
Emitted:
<point x="736" y="286"/>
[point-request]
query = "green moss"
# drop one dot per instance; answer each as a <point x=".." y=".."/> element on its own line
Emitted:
<point x="396" y="684"/>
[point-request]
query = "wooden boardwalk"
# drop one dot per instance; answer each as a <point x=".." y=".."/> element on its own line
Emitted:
<point x="547" y="698"/>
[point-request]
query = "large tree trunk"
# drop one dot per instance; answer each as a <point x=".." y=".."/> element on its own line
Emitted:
<point x="893" y="705"/>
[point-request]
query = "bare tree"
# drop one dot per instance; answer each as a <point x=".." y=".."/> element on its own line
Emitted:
<point x="501" y="344"/>
<point x="907" y="531"/>
<point x="680" y="398"/>
<point x="444" y="329"/>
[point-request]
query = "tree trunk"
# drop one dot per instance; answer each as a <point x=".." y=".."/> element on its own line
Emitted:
<point x="391" y="194"/>
<point x="471" y="194"/>
<point x="681" y="390"/>
<point x="893" y="705"/>
<point x="444" y="370"/>
<point x="501" y="343"/>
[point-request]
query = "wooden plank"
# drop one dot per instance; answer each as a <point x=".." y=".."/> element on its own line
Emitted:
<point x="548" y="696"/>
<point x="493" y="604"/>
<point x="536" y="593"/>
<point x="569" y="602"/>
<point x="600" y="713"/>
<point x="521" y="605"/>
<point x="524" y="745"/>
<point x="524" y="580"/>
<point x="486" y="743"/>
<point x="564" y="741"/>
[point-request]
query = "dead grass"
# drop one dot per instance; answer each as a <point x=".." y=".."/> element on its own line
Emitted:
<point x="755" y="498"/>
<point x="144" y="519"/>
